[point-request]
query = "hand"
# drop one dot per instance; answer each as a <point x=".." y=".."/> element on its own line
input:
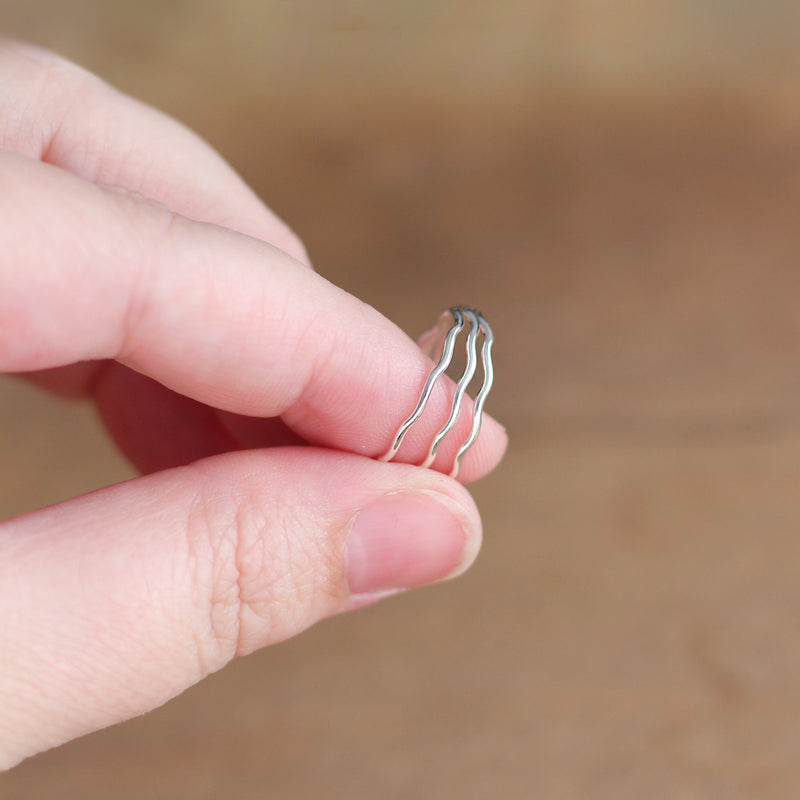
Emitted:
<point x="254" y="395"/>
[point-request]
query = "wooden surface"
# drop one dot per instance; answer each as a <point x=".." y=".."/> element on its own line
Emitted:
<point x="631" y="628"/>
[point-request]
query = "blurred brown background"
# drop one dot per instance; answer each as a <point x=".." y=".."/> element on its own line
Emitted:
<point x="617" y="186"/>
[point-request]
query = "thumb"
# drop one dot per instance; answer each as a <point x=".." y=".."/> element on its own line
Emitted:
<point x="114" y="602"/>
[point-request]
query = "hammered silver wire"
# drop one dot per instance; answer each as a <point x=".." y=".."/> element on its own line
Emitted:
<point x="477" y="326"/>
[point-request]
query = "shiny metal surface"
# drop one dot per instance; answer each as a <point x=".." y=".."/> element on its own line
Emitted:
<point x="461" y="316"/>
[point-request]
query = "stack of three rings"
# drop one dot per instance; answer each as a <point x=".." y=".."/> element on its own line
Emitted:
<point x="459" y="317"/>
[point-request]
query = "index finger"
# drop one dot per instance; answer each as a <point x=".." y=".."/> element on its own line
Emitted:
<point x="55" y="111"/>
<point x="218" y="316"/>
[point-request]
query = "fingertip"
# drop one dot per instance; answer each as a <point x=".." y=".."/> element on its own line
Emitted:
<point x="405" y="540"/>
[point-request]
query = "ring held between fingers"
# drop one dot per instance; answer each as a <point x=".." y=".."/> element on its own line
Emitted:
<point x="116" y="601"/>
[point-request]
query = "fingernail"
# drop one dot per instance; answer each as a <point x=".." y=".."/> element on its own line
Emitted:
<point x="401" y="541"/>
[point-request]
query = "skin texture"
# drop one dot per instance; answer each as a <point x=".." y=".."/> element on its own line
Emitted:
<point x="139" y="271"/>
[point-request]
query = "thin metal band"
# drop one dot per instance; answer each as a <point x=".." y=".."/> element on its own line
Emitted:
<point x="480" y="399"/>
<point x="477" y="326"/>
<point x="461" y="388"/>
<point x="436" y="373"/>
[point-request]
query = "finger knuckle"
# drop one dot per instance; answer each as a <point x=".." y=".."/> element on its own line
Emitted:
<point x="257" y="580"/>
<point x="41" y="89"/>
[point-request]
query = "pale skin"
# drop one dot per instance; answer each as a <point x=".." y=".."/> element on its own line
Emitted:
<point x="139" y="271"/>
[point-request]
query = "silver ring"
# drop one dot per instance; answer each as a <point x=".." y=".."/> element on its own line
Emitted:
<point x="460" y="317"/>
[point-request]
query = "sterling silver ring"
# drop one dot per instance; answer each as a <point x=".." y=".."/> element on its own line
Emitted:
<point x="445" y="337"/>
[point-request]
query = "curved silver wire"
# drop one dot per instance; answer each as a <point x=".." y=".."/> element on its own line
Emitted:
<point x="480" y="399"/>
<point x="436" y="373"/>
<point x="477" y="326"/>
<point x="469" y="371"/>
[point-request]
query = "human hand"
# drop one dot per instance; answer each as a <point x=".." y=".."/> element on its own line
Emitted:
<point x="187" y="312"/>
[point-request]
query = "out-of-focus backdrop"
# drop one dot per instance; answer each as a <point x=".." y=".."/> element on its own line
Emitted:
<point x="617" y="186"/>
